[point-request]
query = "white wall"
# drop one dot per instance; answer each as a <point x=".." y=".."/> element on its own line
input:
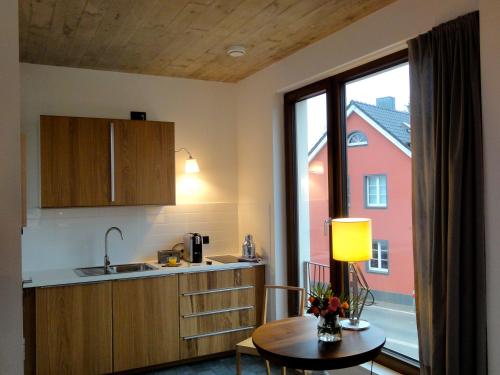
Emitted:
<point x="205" y="116"/>
<point x="11" y="350"/>
<point x="260" y="108"/>
<point x="260" y="121"/>
<point x="490" y="82"/>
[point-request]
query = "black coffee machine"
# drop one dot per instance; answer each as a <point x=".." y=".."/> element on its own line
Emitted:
<point x="193" y="244"/>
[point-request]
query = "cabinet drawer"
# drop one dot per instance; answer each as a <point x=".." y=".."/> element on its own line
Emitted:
<point x="223" y="320"/>
<point x="215" y="343"/>
<point x="196" y="303"/>
<point x="204" y="281"/>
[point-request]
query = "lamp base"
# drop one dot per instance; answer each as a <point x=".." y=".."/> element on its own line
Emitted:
<point x="361" y="324"/>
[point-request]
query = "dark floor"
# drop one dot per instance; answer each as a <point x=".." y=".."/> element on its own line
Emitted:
<point x="221" y="366"/>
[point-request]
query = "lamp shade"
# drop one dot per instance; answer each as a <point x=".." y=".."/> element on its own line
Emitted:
<point x="191" y="166"/>
<point x="352" y="239"/>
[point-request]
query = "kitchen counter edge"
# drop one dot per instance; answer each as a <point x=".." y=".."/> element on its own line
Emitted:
<point x="61" y="277"/>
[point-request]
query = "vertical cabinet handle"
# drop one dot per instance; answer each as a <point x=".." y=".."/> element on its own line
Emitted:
<point x="112" y="159"/>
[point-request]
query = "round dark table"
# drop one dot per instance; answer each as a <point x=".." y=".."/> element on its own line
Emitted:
<point x="293" y="343"/>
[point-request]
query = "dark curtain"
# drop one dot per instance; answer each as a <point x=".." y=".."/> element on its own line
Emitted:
<point x="448" y="208"/>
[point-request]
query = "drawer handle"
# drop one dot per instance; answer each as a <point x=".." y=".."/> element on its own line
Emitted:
<point x="218" y="290"/>
<point x="211" y="312"/>
<point x="218" y="333"/>
<point x="112" y="158"/>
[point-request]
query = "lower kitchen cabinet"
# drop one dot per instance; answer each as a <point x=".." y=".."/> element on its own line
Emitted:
<point x="73" y="329"/>
<point x="120" y="325"/>
<point x="218" y="309"/>
<point x="145" y="322"/>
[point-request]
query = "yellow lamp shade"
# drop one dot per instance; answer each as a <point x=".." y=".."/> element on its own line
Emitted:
<point x="191" y="166"/>
<point x="352" y="239"/>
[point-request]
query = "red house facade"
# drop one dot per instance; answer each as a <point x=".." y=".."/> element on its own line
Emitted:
<point x="379" y="187"/>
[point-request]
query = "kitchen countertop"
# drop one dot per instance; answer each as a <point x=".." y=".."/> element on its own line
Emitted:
<point x="68" y="276"/>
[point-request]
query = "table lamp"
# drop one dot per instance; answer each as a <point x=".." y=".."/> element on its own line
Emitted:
<point x="352" y="242"/>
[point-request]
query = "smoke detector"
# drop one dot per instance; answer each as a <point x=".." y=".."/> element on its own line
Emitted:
<point x="236" y="51"/>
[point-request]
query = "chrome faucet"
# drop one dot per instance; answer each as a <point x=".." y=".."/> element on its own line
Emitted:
<point x="106" y="257"/>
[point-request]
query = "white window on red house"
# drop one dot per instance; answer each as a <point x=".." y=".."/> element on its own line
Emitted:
<point x="357" y="138"/>
<point x="380" y="257"/>
<point x="376" y="191"/>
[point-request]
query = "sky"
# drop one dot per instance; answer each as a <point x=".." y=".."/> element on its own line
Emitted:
<point x="393" y="82"/>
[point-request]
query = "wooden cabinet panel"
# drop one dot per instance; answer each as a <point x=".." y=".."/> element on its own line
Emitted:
<point x="191" y="348"/>
<point x="192" y="304"/>
<point x="75" y="161"/>
<point x="144" y="162"/>
<point x="145" y="322"/>
<point x="204" y="325"/>
<point x="223" y="321"/>
<point x="73" y="329"/>
<point x="201" y="281"/>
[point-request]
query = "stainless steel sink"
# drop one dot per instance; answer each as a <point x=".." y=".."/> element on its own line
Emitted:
<point x="118" y="268"/>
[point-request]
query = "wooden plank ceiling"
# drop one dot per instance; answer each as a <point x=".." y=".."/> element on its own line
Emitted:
<point x="180" y="38"/>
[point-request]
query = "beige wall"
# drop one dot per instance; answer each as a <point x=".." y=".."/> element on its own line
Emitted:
<point x="204" y="114"/>
<point x="490" y="82"/>
<point x="11" y="350"/>
<point x="260" y="123"/>
<point x="260" y="108"/>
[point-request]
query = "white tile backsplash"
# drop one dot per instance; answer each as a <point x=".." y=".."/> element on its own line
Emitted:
<point x="74" y="237"/>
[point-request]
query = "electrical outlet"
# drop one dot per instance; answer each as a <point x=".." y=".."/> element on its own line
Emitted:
<point x="206" y="240"/>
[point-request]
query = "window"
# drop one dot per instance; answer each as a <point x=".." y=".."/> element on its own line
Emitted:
<point x="376" y="191"/>
<point x="357" y="138"/>
<point x="380" y="257"/>
<point x="355" y="185"/>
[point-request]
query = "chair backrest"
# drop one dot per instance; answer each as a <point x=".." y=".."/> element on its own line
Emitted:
<point x="301" y="292"/>
<point x="316" y="273"/>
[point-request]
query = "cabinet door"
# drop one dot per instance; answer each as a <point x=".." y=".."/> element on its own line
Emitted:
<point x="75" y="161"/>
<point x="144" y="162"/>
<point x="73" y="329"/>
<point x="145" y="322"/>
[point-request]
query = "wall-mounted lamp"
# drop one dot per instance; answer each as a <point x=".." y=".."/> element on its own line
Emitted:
<point x="191" y="165"/>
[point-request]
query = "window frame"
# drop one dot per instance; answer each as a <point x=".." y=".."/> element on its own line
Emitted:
<point x="379" y="269"/>
<point x="334" y="87"/>
<point x="358" y="144"/>
<point x="366" y="186"/>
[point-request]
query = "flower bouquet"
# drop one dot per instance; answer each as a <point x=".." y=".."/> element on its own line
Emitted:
<point x="328" y="308"/>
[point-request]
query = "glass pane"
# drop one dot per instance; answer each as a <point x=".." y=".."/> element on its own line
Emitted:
<point x="383" y="200"/>
<point x="312" y="187"/>
<point x="379" y="172"/>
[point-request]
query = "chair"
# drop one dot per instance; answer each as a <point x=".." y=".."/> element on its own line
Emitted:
<point x="316" y="273"/>
<point x="247" y="347"/>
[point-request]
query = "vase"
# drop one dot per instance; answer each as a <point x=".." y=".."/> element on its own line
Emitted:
<point x="329" y="330"/>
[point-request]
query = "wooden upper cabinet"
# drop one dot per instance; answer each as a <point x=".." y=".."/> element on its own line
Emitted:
<point x="75" y="159"/>
<point x="102" y="162"/>
<point x="144" y="170"/>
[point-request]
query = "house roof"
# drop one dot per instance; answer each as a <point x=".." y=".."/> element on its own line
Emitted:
<point x="396" y="123"/>
<point x="393" y="124"/>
